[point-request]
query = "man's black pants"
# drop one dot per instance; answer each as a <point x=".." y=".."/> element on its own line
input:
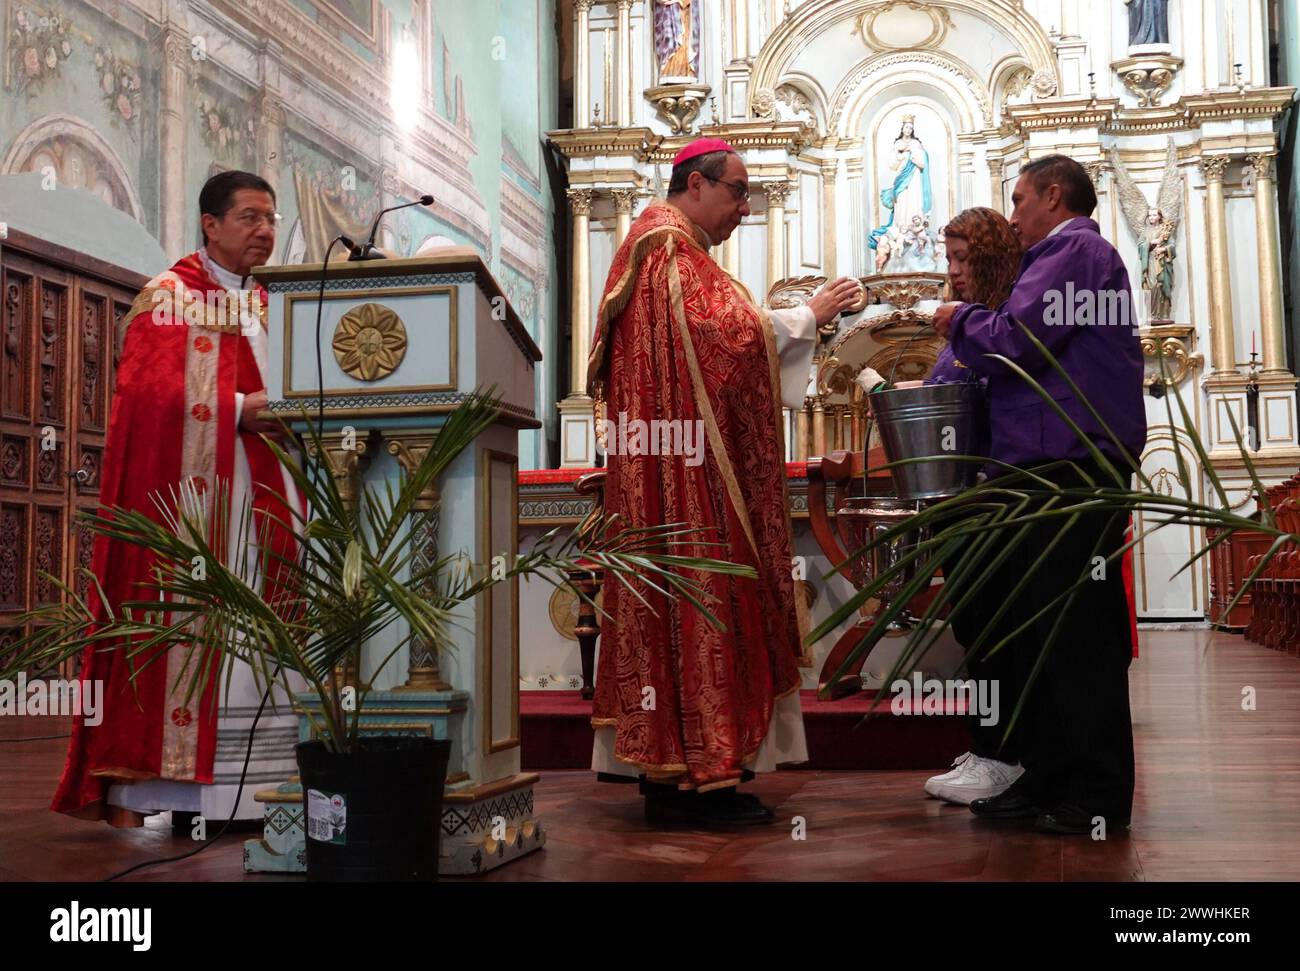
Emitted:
<point x="1075" y="736"/>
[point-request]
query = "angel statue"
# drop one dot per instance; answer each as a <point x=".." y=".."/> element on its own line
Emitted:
<point x="1154" y="228"/>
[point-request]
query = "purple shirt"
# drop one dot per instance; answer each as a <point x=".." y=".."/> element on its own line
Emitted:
<point x="948" y="370"/>
<point x="1072" y="292"/>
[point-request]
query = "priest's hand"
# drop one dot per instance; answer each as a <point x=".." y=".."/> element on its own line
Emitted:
<point x="834" y="298"/>
<point x="942" y="320"/>
<point x="249" y="422"/>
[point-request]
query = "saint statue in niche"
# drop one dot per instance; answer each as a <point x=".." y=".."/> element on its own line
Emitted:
<point x="1148" y="22"/>
<point x="906" y="198"/>
<point x="677" y="38"/>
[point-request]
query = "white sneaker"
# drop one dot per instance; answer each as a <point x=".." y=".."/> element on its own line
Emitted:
<point x="933" y="783"/>
<point x="979" y="779"/>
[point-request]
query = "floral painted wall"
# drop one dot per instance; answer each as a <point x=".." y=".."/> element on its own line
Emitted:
<point x="85" y="85"/>
<point x="78" y="89"/>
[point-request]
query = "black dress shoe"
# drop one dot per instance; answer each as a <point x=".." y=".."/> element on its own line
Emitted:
<point x="182" y="823"/>
<point x="722" y="807"/>
<point x="1071" y="820"/>
<point x="1008" y="805"/>
<point x="744" y="807"/>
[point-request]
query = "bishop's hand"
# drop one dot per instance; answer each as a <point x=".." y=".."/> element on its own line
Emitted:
<point x="836" y="296"/>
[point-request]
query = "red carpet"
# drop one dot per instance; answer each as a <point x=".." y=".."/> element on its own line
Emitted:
<point x="555" y="730"/>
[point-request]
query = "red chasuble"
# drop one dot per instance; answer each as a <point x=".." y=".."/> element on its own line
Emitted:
<point x="676" y="338"/>
<point x="172" y="422"/>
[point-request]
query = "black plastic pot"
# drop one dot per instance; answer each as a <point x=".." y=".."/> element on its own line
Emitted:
<point x="375" y="814"/>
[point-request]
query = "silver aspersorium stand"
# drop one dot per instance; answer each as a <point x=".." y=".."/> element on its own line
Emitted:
<point x="928" y="422"/>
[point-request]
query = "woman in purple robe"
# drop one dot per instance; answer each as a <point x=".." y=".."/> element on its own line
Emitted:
<point x="983" y="256"/>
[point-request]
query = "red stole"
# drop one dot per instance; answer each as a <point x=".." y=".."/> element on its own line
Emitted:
<point x="676" y="339"/>
<point x="172" y="423"/>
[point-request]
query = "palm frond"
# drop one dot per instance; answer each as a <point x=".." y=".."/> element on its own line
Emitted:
<point x="995" y="516"/>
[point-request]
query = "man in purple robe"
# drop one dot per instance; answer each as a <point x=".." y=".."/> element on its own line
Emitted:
<point x="1072" y="292"/>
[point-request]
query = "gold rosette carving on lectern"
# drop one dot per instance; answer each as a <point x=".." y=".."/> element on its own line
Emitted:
<point x="370" y="342"/>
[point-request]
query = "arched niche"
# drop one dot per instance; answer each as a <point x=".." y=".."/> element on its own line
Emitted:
<point x="813" y="95"/>
<point x="80" y="157"/>
<point x="887" y="77"/>
<point x="825" y="39"/>
<point x="1012" y="84"/>
<point x="877" y="127"/>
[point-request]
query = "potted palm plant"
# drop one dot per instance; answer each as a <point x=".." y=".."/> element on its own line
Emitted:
<point x="357" y="575"/>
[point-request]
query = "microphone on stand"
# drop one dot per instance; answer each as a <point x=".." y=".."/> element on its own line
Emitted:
<point x="367" y="250"/>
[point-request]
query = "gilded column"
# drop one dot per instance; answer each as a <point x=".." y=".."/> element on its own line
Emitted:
<point x="819" y="427"/>
<point x="731" y="254"/>
<point x="1223" y="352"/>
<point x="830" y="248"/>
<point x="580" y="203"/>
<point x="995" y="183"/>
<point x="624" y="97"/>
<point x="577" y="410"/>
<point x="1270" y="271"/>
<point x="777" y="193"/>
<point x="423" y="673"/>
<point x="624" y="203"/>
<point x="581" y="68"/>
<point x="861" y="263"/>
<point x="739" y="30"/>
<point x="171" y="140"/>
<point x="1096" y="170"/>
<point x="345" y="455"/>
<point x="607" y="77"/>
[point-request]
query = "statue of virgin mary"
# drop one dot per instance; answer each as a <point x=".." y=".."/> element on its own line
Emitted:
<point x="907" y="172"/>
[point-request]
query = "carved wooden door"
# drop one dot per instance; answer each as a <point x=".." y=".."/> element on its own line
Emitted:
<point x="60" y="328"/>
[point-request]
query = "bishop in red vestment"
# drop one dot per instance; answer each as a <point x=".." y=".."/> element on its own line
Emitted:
<point x="690" y="708"/>
<point x="184" y="419"/>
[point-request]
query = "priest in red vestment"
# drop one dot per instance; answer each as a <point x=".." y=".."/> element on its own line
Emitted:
<point x="185" y="420"/>
<point x="691" y="709"/>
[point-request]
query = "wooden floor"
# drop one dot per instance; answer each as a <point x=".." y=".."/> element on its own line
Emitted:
<point x="1217" y="797"/>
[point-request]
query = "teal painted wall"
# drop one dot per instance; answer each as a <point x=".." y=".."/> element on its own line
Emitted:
<point x="92" y="82"/>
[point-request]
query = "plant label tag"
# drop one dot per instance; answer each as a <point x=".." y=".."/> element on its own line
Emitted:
<point x="327" y="817"/>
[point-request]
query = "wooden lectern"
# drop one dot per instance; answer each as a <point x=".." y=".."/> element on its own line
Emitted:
<point x="402" y="343"/>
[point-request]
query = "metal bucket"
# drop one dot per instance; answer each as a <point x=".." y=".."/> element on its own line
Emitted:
<point x="929" y="421"/>
<point x="861" y="520"/>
